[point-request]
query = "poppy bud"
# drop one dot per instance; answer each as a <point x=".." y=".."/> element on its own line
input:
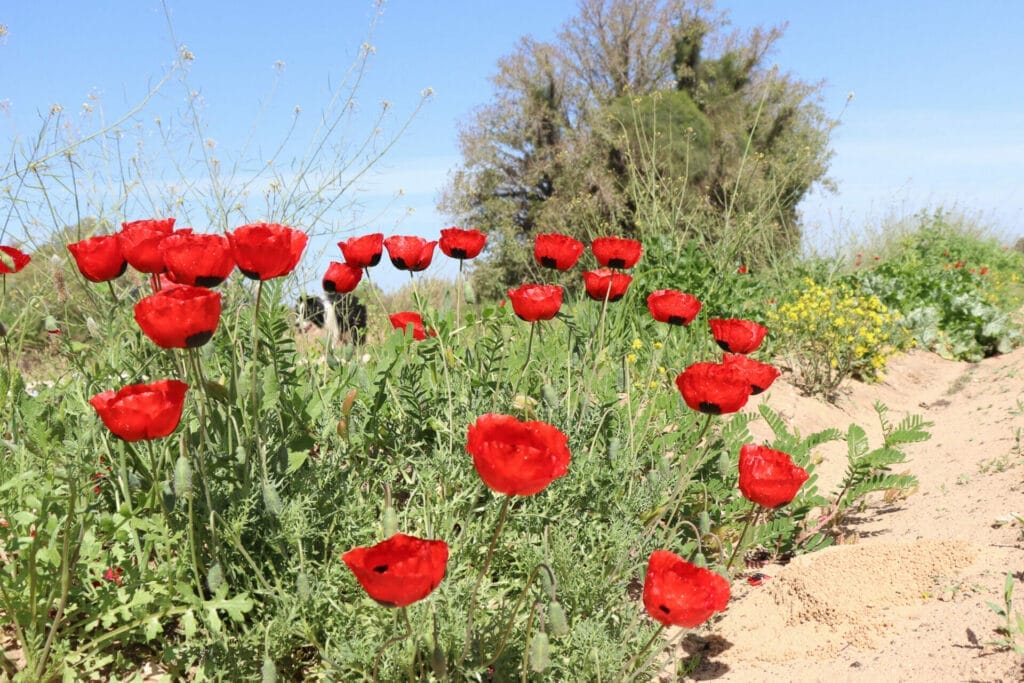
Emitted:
<point x="182" y="477"/>
<point x="389" y="522"/>
<point x="302" y="585"/>
<point x="271" y="499"/>
<point x="556" y="619"/>
<point x="268" y="673"/>
<point x="540" y="652"/>
<point x="214" y="577"/>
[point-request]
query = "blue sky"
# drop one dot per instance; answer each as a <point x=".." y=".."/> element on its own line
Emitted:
<point x="937" y="117"/>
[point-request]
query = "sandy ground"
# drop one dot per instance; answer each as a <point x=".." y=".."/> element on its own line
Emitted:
<point x="903" y="597"/>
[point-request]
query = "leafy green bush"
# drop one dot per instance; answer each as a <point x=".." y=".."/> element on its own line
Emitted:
<point x="829" y="333"/>
<point x="957" y="288"/>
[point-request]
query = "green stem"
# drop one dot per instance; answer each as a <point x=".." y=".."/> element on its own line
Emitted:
<point x="515" y="610"/>
<point x="483" y="572"/>
<point x="629" y="665"/>
<point x="526" y="364"/>
<point x="388" y="643"/>
<point x="739" y="543"/>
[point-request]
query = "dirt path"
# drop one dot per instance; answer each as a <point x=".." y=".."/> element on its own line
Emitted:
<point x="903" y="598"/>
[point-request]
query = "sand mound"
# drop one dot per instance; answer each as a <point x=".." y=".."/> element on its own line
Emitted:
<point x="844" y="595"/>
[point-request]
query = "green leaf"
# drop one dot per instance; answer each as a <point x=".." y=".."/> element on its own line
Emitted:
<point x="296" y="459"/>
<point x="188" y="624"/>
<point x="857" y="442"/>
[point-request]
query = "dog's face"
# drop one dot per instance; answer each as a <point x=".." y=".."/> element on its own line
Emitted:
<point x="309" y="313"/>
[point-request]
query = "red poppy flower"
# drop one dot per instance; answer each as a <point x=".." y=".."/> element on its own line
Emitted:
<point x="536" y="302"/>
<point x="264" y="251"/>
<point x="196" y="259"/>
<point x="13" y="260"/>
<point x="142" y="411"/>
<point x="140" y="243"/>
<point x="408" y="252"/>
<point x="364" y="251"/>
<point x="462" y="244"/>
<point x="679" y="593"/>
<point x="114" y="575"/>
<point x="769" y="477"/>
<point x="714" y="388"/>
<point x="737" y="336"/>
<point x="616" y="252"/>
<point x="673" y="307"/>
<point x="181" y="317"/>
<point x="554" y="250"/>
<point x="400" y="321"/>
<point x="742" y="270"/>
<point x="517" y="458"/>
<point x="399" y="571"/>
<point x="99" y="258"/>
<point x="341" y="278"/>
<point x="605" y="282"/>
<point x="759" y="375"/>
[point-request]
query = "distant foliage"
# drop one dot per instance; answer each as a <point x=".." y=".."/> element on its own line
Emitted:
<point x="639" y="117"/>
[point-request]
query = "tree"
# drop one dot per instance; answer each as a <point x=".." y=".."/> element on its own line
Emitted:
<point x="642" y="115"/>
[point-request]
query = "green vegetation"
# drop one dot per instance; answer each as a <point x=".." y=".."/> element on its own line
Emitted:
<point x="647" y="118"/>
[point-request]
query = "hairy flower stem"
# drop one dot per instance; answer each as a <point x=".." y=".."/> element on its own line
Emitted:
<point x="376" y="292"/>
<point x="113" y="294"/>
<point x="391" y="641"/>
<point x="197" y="369"/>
<point x="526" y="364"/>
<point x="483" y="572"/>
<point x="254" y="386"/>
<point x="515" y="610"/>
<point x="642" y="651"/>
<point x="739" y="543"/>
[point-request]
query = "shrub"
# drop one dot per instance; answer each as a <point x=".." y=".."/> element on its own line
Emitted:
<point x="831" y="332"/>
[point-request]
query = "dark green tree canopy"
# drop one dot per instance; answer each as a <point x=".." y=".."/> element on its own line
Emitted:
<point x="642" y="116"/>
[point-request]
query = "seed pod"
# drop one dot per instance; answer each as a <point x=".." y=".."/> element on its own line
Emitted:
<point x="557" y="622"/>
<point x="540" y="652"/>
<point x="214" y="577"/>
<point x="182" y="477"/>
<point x="271" y="499"/>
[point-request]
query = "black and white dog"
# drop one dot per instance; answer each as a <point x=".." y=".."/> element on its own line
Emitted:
<point x="342" y="317"/>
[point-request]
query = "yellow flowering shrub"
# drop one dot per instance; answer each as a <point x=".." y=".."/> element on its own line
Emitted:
<point x="828" y="333"/>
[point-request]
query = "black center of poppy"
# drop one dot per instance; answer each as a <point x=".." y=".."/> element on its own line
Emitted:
<point x="755" y="390"/>
<point x="548" y="262"/>
<point x="251" y="274"/>
<point x="724" y="345"/>
<point x="330" y="286"/>
<point x="380" y="568"/>
<point x="676" y="320"/>
<point x="459" y="253"/>
<point x="198" y="339"/>
<point x="208" y="281"/>
<point x="710" y="408"/>
<point x="124" y="267"/>
<point x="664" y="609"/>
<point x="612" y="299"/>
<point x="399" y="263"/>
<point x="616" y="263"/>
<point x="374" y="260"/>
